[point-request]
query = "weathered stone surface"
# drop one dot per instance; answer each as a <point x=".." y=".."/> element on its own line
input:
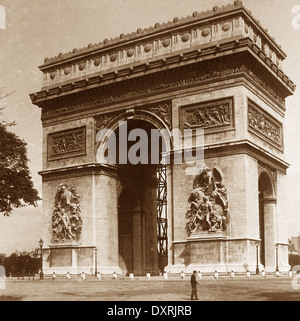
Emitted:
<point x="221" y="75"/>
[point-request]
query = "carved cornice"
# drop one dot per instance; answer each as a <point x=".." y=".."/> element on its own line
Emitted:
<point x="240" y="147"/>
<point x="199" y="29"/>
<point x="286" y="87"/>
<point x="66" y="173"/>
<point x="155" y="84"/>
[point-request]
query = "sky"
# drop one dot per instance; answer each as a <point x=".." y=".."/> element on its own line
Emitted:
<point x="36" y="29"/>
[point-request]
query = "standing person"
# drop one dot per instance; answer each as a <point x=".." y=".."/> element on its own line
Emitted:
<point x="194" y="283"/>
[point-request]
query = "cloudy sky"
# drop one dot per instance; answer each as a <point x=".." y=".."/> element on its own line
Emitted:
<point x="36" y="29"/>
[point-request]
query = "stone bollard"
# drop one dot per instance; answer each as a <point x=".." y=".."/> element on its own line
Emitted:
<point x="83" y="276"/>
<point x="290" y="273"/>
<point x="247" y="274"/>
<point x="199" y="275"/>
<point x="182" y="275"/>
<point x="115" y="276"/>
<point x="165" y="275"/>
<point x="131" y="276"/>
<point x="68" y="276"/>
<point x="277" y="274"/>
<point x="263" y="273"/>
<point x="232" y="274"/>
<point x="148" y="276"/>
<point x="216" y="275"/>
<point x="53" y="276"/>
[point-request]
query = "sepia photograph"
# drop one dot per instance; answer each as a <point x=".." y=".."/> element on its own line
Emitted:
<point x="149" y="153"/>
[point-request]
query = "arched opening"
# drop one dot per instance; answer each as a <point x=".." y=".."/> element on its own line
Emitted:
<point x="267" y="211"/>
<point x="142" y="221"/>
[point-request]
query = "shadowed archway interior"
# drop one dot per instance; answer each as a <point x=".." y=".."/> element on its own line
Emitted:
<point x="266" y="195"/>
<point x="138" y="221"/>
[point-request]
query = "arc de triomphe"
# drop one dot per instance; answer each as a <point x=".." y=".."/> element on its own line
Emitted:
<point x="218" y="72"/>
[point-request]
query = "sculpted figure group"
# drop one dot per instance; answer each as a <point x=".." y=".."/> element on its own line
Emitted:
<point x="208" y="205"/>
<point x="66" y="218"/>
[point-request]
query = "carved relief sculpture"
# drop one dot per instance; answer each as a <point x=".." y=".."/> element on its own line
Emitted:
<point x="208" y="205"/>
<point x="208" y="115"/>
<point x="66" y="218"/>
<point x="67" y="143"/>
<point x="163" y="111"/>
<point x="264" y="124"/>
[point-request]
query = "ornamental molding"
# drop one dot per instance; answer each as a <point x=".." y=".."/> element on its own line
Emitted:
<point x="78" y="171"/>
<point x="67" y="143"/>
<point x="162" y="39"/>
<point x="116" y="93"/>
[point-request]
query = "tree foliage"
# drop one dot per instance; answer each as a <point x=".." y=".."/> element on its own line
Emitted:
<point x="21" y="264"/>
<point x="16" y="186"/>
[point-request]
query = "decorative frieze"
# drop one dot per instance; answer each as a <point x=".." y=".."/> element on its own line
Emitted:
<point x="264" y="124"/>
<point x="113" y="94"/>
<point x="67" y="143"/>
<point x="207" y="115"/>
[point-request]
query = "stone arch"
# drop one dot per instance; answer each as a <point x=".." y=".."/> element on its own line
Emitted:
<point x="137" y="244"/>
<point x="104" y="134"/>
<point x="266" y="182"/>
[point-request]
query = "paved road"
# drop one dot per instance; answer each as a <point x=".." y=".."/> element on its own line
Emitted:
<point x="156" y="289"/>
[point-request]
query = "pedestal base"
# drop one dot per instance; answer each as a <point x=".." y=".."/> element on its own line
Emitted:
<point x="208" y="252"/>
<point x="68" y="257"/>
<point x="75" y="259"/>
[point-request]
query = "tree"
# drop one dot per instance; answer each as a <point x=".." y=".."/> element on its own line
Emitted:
<point x="16" y="186"/>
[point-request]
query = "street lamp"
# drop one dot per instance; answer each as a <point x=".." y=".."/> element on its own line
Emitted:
<point x="276" y="247"/>
<point x="41" y="247"/>
<point x="257" y="266"/>
<point x="96" y="261"/>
